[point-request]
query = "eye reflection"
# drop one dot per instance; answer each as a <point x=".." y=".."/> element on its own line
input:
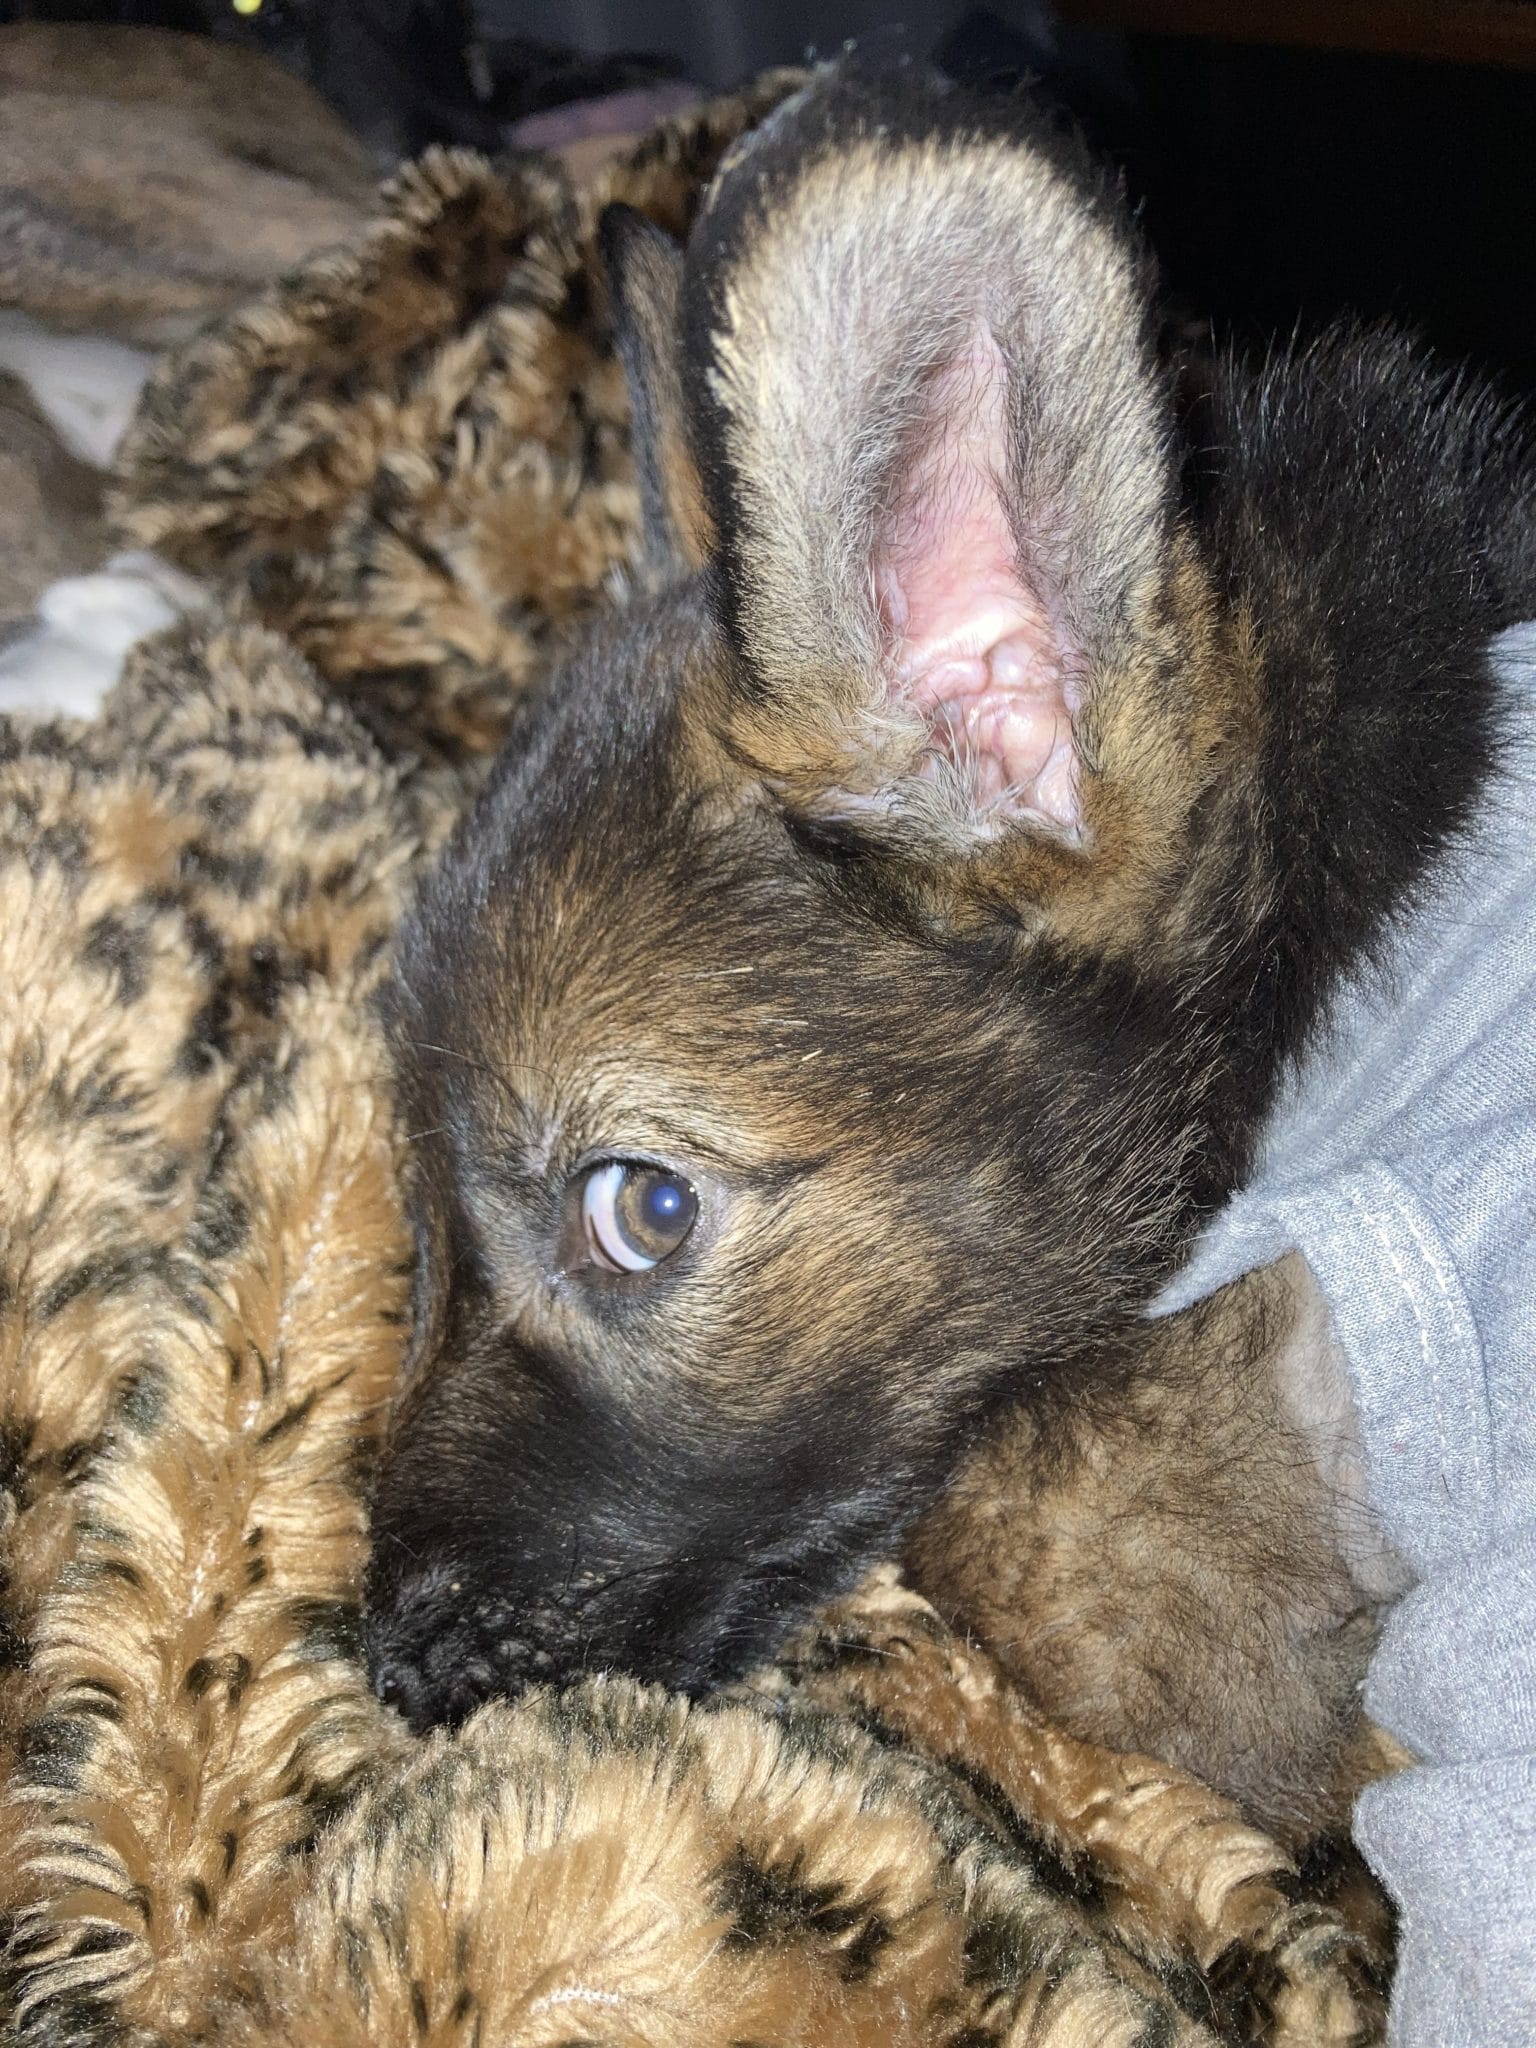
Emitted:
<point x="636" y="1214"/>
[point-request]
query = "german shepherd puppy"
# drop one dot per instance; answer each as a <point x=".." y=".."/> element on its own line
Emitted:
<point x="875" y="952"/>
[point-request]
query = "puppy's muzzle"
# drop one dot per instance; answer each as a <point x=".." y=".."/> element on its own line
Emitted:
<point x="437" y="1646"/>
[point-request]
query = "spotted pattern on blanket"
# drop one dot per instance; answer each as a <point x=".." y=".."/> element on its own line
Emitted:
<point x="405" y="468"/>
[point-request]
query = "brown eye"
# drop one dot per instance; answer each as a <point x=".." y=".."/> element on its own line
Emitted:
<point x="635" y="1215"/>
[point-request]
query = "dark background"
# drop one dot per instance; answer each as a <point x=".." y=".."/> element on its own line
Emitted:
<point x="1293" y="160"/>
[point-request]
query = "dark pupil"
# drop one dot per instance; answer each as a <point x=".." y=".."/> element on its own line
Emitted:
<point x="655" y="1210"/>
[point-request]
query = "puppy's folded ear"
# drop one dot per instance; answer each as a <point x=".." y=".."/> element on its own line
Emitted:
<point x="935" y="452"/>
<point x="645" y="275"/>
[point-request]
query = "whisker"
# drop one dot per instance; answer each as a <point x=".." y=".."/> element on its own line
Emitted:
<point x="764" y="1576"/>
<point x="452" y="1052"/>
<point x="496" y="1074"/>
<point x="838" y="1644"/>
<point x="570" y="1572"/>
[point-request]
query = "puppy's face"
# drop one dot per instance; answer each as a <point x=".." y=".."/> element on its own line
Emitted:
<point x="783" y="1038"/>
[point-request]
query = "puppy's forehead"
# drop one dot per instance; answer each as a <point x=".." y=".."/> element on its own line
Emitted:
<point x="685" y="969"/>
<point x="605" y="908"/>
<point x="640" y="949"/>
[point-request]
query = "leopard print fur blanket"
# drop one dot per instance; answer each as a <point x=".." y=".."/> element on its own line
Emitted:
<point x="404" y="470"/>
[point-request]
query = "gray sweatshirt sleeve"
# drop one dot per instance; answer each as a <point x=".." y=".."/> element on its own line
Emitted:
<point x="1402" y="1164"/>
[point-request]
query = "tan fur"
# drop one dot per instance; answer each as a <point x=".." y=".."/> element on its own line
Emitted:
<point x="1167" y="1571"/>
<point x="444" y="610"/>
<point x="604" y="1837"/>
<point x="833" y="328"/>
<point x="209" y="1314"/>
<point x="647" y="269"/>
<point x="455" y="594"/>
<point x="233" y="1270"/>
<point x="802" y="346"/>
<point x="203" y="1301"/>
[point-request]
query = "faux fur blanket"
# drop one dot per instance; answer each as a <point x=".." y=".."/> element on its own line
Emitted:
<point x="405" y="471"/>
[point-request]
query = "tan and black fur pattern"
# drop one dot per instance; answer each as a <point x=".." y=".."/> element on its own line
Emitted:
<point x="953" y="1078"/>
<point x="892" y="1856"/>
<point x="210" y="1829"/>
<point x="430" y="480"/>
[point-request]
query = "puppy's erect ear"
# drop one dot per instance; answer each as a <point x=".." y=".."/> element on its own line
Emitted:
<point x="935" y="449"/>
<point x="645" y="272"/>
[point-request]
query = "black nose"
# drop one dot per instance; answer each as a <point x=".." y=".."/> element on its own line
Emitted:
<point x="402" y="1687"/>
<point x="422" y="1660"/>
<point x="438" y="1646"/>
<point x="441" y="1683"/>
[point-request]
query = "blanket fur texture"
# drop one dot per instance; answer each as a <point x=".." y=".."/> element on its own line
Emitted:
<point x="405" y="471"/>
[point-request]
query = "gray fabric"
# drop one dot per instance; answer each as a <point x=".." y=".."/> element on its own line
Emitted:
<point x="1401" y="1161"/>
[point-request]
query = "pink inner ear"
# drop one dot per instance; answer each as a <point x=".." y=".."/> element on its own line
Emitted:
<point x="973" y="645"/>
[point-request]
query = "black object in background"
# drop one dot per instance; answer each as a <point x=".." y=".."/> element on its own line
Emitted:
<point x="1284" y="186"/>
<point x="1277" y="184"/>
<point x="1286" y="183"/>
